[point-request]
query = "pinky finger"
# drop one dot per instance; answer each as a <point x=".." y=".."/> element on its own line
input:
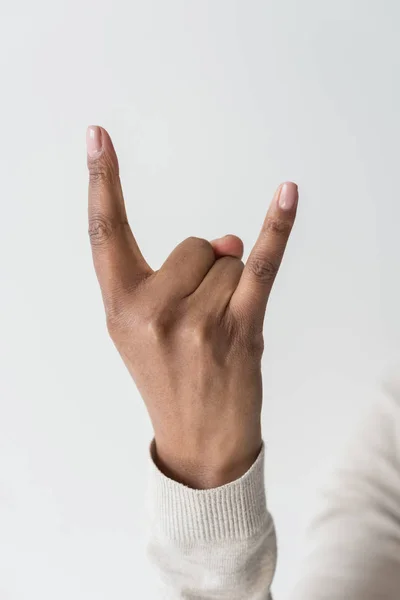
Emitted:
<point x="251" y="296"/>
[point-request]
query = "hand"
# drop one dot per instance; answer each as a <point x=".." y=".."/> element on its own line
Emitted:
<point x="191" y="333"/>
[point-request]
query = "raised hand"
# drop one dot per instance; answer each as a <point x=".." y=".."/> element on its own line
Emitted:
<point x="191" y="333"/>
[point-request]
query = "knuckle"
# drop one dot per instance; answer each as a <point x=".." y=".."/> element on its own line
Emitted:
<point x="202" y="333"/>
<point x="277" y="226"/>
<point x="247" y="339"/>
<point x="251" y="338"/>
<point x="235" y="265"/>
<point x="101" y="171"/>
<point x="157" y="328"/>
<point x="255" y="345"/>
<point x="262" y="269"/>
<point x="102" y="229"/>
<point x="196" y="334"/>
<point x="199" y="244"/>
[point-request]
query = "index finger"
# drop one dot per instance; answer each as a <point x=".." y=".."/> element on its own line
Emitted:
<point x="251" y="296"/>
<point x="116" y="255"/>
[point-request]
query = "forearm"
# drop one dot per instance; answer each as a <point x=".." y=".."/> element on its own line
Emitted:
<point x="216" y="543"/>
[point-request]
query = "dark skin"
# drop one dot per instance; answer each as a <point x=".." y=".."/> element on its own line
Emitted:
<point x="191" y="333"/>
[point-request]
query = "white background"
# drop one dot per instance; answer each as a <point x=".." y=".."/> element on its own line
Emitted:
<point x="211" y="104"/>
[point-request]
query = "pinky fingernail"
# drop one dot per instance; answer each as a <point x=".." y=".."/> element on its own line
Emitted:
<point x="288" y="196"/>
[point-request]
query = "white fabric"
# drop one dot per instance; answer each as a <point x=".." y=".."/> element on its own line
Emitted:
<point x="221" y="543"/>
<point x="217" y="543"/>
<point x="352" y="549"/>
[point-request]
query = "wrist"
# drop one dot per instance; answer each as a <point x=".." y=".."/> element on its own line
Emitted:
<point x="234" y="512"/>
<point x="206" y="467"/>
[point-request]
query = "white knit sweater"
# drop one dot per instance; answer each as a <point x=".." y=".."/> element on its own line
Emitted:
<point x="221" y="543"/>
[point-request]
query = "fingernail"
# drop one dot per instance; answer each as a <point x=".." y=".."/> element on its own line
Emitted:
<point x="288" y="196"/>
<point x="93" y="140"/>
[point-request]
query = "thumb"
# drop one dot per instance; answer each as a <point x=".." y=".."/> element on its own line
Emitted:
<point x="229" y="245"/>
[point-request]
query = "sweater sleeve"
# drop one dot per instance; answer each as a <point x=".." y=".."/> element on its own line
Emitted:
<point x="208" y="544"/>
<point x="352" y="548"/>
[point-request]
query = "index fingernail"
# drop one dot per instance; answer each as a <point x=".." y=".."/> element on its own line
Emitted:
<point x="93" y="141"/>
<point x="288" y="195"/>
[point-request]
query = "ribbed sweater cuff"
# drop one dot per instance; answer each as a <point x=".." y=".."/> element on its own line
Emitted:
<point x="234" y="511"/>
